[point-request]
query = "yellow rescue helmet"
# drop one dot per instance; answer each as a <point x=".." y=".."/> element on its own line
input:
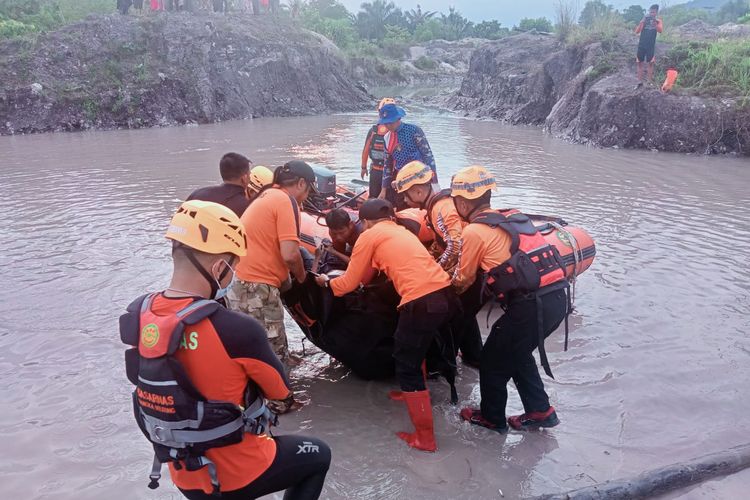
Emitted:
<point x="386" y="100"/>
<point x="472" y="182"/>
<point x="413" y="173"/>
<point x="260" y="176"/>
<point x="208" y="227"/>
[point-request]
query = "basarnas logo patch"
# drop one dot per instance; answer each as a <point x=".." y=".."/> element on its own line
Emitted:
<point x="150" y="335"/>
<point x="564" y="238"/>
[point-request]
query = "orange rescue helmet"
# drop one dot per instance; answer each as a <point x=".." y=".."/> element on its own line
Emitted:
<point x="413" y="173"/>
<point x="208" y="227"/>
<point x="260" y="176"/>
<point x="472" y="182"/>
<point x="386" y="100"/>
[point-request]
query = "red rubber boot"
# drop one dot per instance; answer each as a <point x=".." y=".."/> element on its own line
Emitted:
<point x="420" y="412"/>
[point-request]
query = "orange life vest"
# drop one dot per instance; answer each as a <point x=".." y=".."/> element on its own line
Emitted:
<point x="534" y="267"/>
<point x="177" y="419"/>
<point x="533" y="263"/>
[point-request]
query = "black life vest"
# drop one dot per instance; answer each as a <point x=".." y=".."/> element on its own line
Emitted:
<point x="175" y="417"/>
<point x="533" y="263"/>
<point x="441" y="195"/>
<point x="377" y="147"/>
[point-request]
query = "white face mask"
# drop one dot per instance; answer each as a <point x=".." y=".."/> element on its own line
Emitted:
<point x="221" y="292"/>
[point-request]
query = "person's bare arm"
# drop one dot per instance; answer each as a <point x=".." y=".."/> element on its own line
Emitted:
<point x="293" y="259"/>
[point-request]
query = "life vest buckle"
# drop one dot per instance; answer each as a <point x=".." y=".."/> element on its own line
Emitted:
<point x="161" y="434"/>
<point x="155" y="474"/>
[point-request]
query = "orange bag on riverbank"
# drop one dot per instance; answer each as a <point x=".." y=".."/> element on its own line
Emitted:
<point x="669" y="80"/>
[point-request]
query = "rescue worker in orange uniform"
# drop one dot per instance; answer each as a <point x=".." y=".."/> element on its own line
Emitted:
<point x="273" y="221"/>
<point x="202" y="374"/>
<point x="374" y="152"/>
<point x="415" y="183"/>
<point x="428" y="308"/>
<point x="523" y="273"/>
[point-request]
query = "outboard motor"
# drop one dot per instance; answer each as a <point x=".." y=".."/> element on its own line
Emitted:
<point x="326" y="181"/>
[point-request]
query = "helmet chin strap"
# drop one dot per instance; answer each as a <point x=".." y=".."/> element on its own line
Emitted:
<point x="213" y="282"/>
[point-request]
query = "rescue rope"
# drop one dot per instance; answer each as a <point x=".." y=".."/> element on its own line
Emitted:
<point x="577" y="260"/>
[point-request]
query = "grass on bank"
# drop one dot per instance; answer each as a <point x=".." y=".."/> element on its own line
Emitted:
<point x="19" y="17"/>
<point x="715" y="68"/>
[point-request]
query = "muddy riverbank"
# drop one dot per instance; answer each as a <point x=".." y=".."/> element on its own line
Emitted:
<point x="132" y="72"/>
<point x="588" y="93"/>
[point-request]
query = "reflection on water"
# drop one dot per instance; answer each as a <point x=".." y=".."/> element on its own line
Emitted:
<point x="659" y="342"/>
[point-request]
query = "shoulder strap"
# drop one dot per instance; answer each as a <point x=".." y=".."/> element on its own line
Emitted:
<point x="198" y="310"/>
<point x="522" y="223"/>
<point x="295" y="209"/>
<point x="440" y="195"/>
<point x="130" y="321"/>
<point x="500" y="221"/>
<point x="492" y="219"/>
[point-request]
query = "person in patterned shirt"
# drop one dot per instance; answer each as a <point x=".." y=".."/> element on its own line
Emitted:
<point x="404" y="143"/>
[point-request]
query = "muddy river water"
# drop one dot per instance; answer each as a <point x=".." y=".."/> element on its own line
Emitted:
<point x="658" y="369"/>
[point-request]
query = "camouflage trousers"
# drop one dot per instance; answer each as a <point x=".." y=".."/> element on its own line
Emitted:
<point x="262" y="302"/>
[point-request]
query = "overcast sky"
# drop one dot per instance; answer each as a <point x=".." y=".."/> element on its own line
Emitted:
<point x="508" y="12"/>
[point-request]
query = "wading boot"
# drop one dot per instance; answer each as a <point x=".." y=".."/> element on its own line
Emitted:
<point x="474" y="417"/>
<point x="399" y="395"/>
<point x="534" y="420"/>
<point x="420" y="412"/>
<point x="396" y="395"/>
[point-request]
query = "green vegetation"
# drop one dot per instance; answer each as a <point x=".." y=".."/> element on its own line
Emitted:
<point x="18" y="17"/>
<point x="713" y="68"/>
<point x="539" y="24"/>
<point x="600" y="20"/>
<point x="382" y="30"/>
<point x="381" y="27"/>
<point x="710" y="68"/>
<point x="426" y="63"/>
<point x="730" y="12"/>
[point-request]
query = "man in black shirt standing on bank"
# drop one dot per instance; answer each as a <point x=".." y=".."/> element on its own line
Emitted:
<point x="648" y="28"/>
<point x="235" y="172"/>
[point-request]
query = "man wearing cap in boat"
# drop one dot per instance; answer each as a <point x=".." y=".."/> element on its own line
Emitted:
<point x="428" y="307"/>
<point x="525" y="276"/>
<point x="404" y="143"/>
<point x="272" y="221"/>
<point x="415" y="183"/>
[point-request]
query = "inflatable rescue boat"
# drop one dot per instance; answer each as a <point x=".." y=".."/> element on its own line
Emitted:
<point x="357" y="329"/>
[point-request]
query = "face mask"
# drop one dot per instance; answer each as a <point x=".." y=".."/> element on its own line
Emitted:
<point x="221" y="292"/>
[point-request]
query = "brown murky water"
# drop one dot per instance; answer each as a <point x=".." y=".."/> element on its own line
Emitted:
<point x="657" y="371"/>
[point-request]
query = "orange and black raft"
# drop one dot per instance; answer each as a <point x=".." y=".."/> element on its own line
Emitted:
<point x="357" y="329"/>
